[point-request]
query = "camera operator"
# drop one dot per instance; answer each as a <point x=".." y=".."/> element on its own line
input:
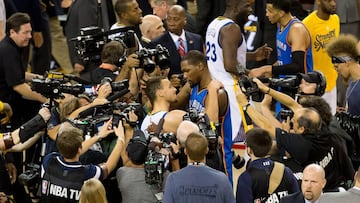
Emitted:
<point x="254" y="185"/>
<point x="308" y="143"/>
<point x="69" y="144"/>
<point x="209" y="185"/>
<point x="131" y="177"/>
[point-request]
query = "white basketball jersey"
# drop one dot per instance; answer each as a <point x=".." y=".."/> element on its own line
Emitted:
<point x="214" y="51"/>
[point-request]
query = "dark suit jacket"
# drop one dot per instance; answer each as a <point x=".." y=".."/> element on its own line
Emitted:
<point x="293" y="198"/>
<point x="194" y="42"/>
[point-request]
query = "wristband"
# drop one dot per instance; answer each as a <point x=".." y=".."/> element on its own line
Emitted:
<point x="8" y="140"/>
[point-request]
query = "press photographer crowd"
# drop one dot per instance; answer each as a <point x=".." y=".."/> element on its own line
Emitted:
<point x="148" y="101"/>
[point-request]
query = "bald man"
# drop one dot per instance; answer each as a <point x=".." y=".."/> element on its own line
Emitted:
<point x="151" y="27"/>
<point x="312" y="184"/>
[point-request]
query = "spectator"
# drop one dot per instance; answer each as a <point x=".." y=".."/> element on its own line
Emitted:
<point x="208" y="186"/>
<point x="312" y="184"/>
<point x="256" y="184"/>
<point x="352" y="195"/>
<point x="206" y="12"/>
<point x="92" y="191"/>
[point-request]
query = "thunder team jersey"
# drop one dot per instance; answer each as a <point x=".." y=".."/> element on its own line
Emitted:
<point x="197" y="101"/>
<point x="284" y="49"/>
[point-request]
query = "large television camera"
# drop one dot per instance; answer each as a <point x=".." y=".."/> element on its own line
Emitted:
<point x="92" y="39"/>
<point x="53" y="88"/>
<point x="161" y="55"/>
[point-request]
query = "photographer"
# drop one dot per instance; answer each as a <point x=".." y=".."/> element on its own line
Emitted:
<point x="307" y="144"/>
<point x="69" y="144"/>
<point x="131" y="177"/>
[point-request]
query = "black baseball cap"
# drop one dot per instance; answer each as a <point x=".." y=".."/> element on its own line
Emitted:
<point x="312" y="77"/>
<point x="137" y="148"/>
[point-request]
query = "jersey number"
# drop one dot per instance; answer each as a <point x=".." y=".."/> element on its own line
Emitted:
<point x="210" y="52"/>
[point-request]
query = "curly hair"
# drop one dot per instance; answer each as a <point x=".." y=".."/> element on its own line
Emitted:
<point x="344" y="44"/>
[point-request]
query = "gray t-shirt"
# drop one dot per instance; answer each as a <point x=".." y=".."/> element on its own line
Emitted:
<point x="198" y="184"/>
<point x="131" y="183"/>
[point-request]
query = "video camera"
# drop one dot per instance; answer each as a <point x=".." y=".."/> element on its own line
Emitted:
<point x="161" y="55"/>
<point x="203" y="122"/>
<point x="92" y="39"/>
<point x="155" y="166"/>
<point x="90" y="120"/>
<point x="288" y="85"/>
<point x="53" y="88"/>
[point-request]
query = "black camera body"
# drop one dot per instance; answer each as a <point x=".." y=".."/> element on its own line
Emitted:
<point x="52" y="88"/>
<point x="203" y="122"/>
<point x="250" y="88"/>
<point x="161" y="55"/>
<point x="92" y="39"/>
<point x="116" y="86"/>
<point x="288" y="85"/>
<point x="155" y="165"/>
<point x="31" y="177"/>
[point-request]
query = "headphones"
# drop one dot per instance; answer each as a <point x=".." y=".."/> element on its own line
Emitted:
<point x="320" y="87"/>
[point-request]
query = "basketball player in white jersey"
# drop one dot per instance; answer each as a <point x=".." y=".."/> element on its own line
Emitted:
<point x="226" y="53"/>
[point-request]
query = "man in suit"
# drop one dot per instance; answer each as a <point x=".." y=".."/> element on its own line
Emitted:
<point x="176" y="21"/>
<point x="313" y="182"/>
<point x="352" y="195"/>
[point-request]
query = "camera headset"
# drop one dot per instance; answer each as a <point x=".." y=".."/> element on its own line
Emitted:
<point x="321" y="86"/>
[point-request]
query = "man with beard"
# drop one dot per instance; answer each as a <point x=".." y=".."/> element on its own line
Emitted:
<point x="324" y="25"/>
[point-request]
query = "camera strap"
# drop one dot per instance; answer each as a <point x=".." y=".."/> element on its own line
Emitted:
<point x="276" y="177"/>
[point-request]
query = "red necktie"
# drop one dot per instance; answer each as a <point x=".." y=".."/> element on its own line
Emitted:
<point x="181" y="48"/>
